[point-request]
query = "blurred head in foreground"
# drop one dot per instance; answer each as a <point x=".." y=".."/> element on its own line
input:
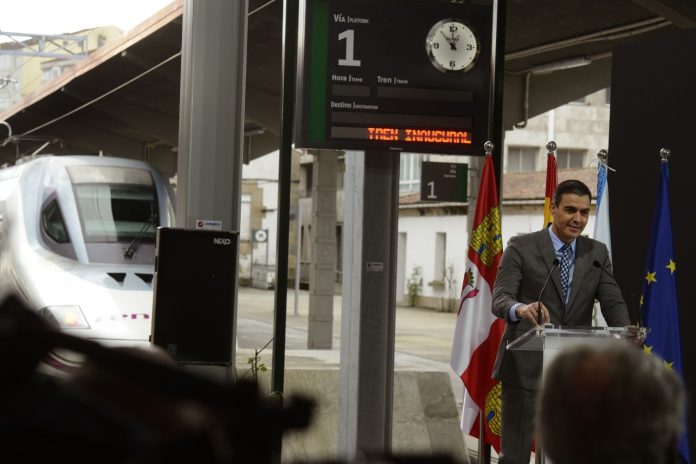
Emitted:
<point x="610" y="403"/>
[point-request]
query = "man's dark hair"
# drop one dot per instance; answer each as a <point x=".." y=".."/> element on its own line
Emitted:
<point x="573" y="186"/>
<point x="610" y="403"/>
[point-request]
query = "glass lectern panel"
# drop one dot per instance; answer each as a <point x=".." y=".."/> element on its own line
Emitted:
<point x="551" y="338"/>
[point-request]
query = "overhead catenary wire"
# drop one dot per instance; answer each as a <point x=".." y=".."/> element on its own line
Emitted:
<point x="104" y="95"/>
<point x="261" y="7"/>
<point x="115" y="89"/>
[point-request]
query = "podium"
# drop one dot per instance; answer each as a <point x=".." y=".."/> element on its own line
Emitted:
<point x="550" y="341"/>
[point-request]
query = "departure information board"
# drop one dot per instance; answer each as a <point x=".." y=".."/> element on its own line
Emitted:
<point x="394" y="75"/>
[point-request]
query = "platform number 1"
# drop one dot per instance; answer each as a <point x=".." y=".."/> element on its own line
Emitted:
<point x="349" y="60"/>
<point x="431" y="184"/>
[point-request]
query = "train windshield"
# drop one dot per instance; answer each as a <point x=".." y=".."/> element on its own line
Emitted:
<point x="115" y="204"/>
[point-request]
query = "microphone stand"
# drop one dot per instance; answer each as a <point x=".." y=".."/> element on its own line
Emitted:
<point x="543" y="287"/>
<point x="641" y="331"/>
<point x="597" y="264"/>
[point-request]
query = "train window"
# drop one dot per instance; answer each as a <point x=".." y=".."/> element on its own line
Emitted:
<point x="117" y="212"/>
<point x="53" y="223"/>
<point x="116" y="204"/>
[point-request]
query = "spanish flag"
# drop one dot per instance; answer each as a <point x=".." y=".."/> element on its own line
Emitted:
<point x="551" y="181"/>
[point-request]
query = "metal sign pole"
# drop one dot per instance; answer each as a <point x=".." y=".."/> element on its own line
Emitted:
<point x="496" y="134"/>
<point x="290" y="17"/>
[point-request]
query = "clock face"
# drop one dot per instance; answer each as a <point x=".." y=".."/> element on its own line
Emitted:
<point x="452" y="46"/>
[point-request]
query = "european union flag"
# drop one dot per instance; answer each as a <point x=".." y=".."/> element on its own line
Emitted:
<point x="659" y="297"/>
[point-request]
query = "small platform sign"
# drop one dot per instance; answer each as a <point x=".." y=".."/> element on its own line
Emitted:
<point x="208" y="224"/>
<point x="444" y="181"/>
<point x="260" y="235"/>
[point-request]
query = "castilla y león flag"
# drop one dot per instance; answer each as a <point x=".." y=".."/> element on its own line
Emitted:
<point x="478" y="331"/>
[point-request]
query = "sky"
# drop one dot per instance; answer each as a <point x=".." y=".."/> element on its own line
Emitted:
<point x="64" y="16"/>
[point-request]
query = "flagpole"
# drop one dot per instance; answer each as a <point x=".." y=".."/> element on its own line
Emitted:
<point x="484" y="448"/>
<point x="551" y="180"/>
<point x="602" y="231"/>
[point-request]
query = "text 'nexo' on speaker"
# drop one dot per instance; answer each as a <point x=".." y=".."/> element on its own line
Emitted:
<point x="193" y="304"/>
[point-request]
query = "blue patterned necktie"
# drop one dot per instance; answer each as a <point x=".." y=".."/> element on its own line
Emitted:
<point x="565" y="270"/>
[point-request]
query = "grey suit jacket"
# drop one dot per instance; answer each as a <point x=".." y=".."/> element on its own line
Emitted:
<point x="526" y="263"/>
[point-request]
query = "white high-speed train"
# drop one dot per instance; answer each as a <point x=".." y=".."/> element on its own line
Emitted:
<point x="77" y="241"/>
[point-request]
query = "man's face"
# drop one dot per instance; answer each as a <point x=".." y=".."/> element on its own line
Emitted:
<point x="570" y="216"/>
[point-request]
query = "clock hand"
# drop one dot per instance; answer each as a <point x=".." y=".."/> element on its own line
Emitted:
<point x="455" y="38"/>
<point x="449" y="41"/>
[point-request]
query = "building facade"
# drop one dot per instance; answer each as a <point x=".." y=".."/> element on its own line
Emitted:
<point x="25" y="74"/>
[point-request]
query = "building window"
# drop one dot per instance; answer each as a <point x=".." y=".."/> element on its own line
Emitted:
<point x="339" y="180"/>
<point x="440" y="253"/>
<point x="245" y="218"/>
<point x="521" y="159"/>
<point x="570" y="158"/>
<point x="308" y="175"/>
<point x="50" y="74"/>
<point x="409" y="172"/>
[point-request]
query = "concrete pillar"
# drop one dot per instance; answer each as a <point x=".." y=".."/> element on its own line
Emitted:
<point x="322" y="269"/>
<point x="369" y="306"/>
<point x="211" y="112"/>
<point x="211" y="117"/>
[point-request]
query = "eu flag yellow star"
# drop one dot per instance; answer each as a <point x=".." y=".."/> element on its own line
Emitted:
<point x="650" y="277"/>
<point x="672" y="266"/>
<point x="647" y="349"/>
<point x="641" y="300"/>
<point x="668" y="365"/>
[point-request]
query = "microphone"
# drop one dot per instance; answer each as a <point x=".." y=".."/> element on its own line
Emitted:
<point x="556" y="262"/>
<point x="597" y="264"/>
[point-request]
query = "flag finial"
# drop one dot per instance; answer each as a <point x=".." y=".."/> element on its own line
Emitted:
<point x="603" y="155"/>
<point x="489" y="147"/>
<point x="665" y="153"/>
<point x="551" y="147"/>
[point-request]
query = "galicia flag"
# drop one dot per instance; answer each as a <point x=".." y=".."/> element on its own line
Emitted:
<point x="478" y="332"/>
<point x="659" y="296"/>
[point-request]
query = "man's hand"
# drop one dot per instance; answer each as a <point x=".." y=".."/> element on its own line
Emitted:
<point x="530" y="311"/>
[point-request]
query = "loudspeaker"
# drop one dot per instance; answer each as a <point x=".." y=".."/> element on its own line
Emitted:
<point x="194" y="298"/>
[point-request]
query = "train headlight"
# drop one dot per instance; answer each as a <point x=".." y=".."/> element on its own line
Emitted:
<point x="65" y="317"/>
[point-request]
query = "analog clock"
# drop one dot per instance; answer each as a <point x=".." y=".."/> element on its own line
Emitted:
<point x="452" y="46"/>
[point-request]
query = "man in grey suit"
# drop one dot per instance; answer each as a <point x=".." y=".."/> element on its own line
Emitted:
<point x="576" y="281"/>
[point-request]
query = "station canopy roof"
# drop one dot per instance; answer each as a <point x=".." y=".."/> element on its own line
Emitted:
<point x="124" y="98"/>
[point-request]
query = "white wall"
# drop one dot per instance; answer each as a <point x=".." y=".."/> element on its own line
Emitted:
<point x="420" y="246"/>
